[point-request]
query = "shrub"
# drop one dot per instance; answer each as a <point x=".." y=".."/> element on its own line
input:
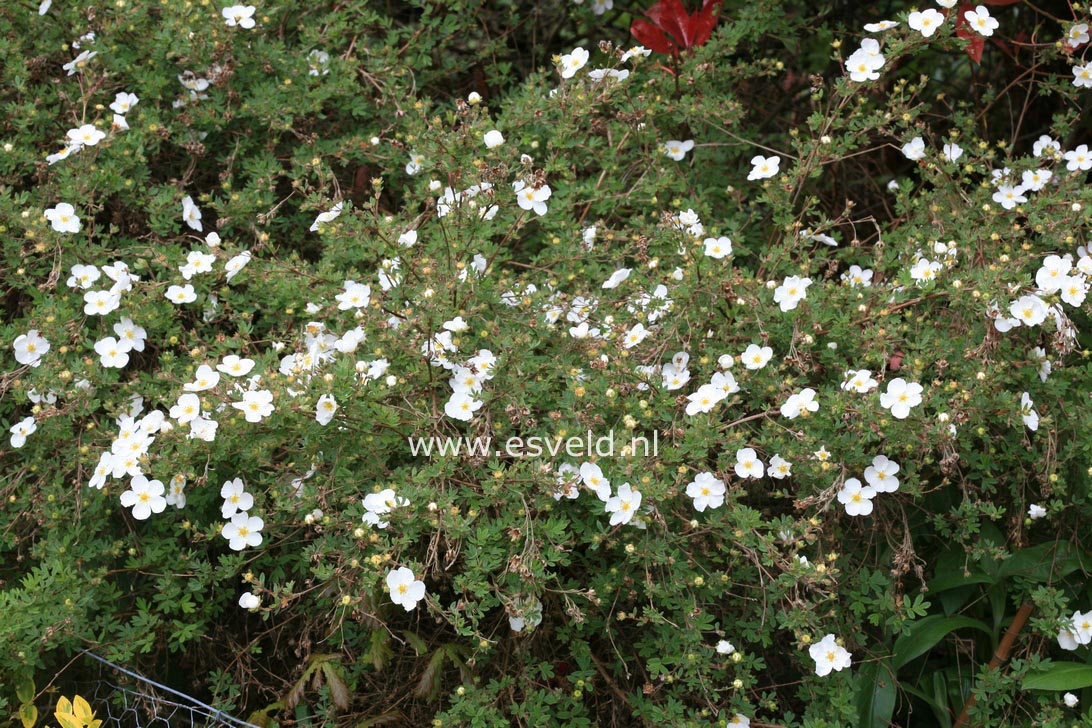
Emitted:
<point x="308" y="246"/>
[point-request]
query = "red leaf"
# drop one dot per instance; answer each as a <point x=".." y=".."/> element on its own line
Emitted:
<point x="649" y="35"/>
<point x="977" y="43"/>
<point x="671" y="16"/>
<point x="670" y="28"/>
<point x="703" y="23"/>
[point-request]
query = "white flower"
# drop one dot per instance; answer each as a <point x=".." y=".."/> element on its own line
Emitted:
<point x="1035" y="179"/>
<point x="952" y="151"/>
<point x="827" y="653"/>
<point x="1009" y="196"/>
<point x="239" y="15"/>
<point x="635" y="335"/>
<point x="1076" y="37"/>
<point x="755" y="356"/>
<point x="255" y="406"/>
<point x="1079" y="159"/>
<point x="900" y="397"/>
<point x="355" y="296"/>
<point x="111" y="353"/>
<point x="1082" y="75"/>
<point x="316" y="63"/>
<point x="248" y="600"/>
<point x="915" y="148"/>
<point x="325" y="409"/>
<point x="764" y="167"/>
<point x="181" y="294"/>
<point x="325" y="217"/>
<point x="196" y="262"/>
<point x="592" y="477"/>
<point x="130" y="335"/>
<point x="83" y="276"/>
<point x="103" y="470"/>
<point x="707" y="491"/>
<point x="493" y="138"/>
<point x="718" y="247"/>
<point x="623" y="505"/>
<point x="21" y="430"/>
<point x="1035" y="512"/>
<point x="799" y="403"/>
<point x="676" y="149"/>
<point x="635" y="51"/>
<point x="525" y="614"/>
<point x="190" y="214"/>
<point x="859" y="381"/>
<point x="531" y="198"/>
<point x="881" y="474"/>
<point x="203" y="379"/>
<point x="235" y="366"/>
<point x="380" y="504"/>
<point x="980" y="21"/>
<point x="704" y="399"/>
<point x="865" y="62"/>
<point x="145" y="497"/>
<point x="414" y="165"/>
<point x="617" y="277"/>
<point x="236" y="499"/>
<point x="1070" y="699"/>
<point x="880" y="26"/>
<point x="1028" y="413"/>
<point x="405" y="589"/>
<point x="187" y="409"/>
<point x="724" y="647"/>
<point x="63" y="218"/>
<point x="123" y="102"/>
<point x="236" y="264"/>
<point x="570" y="63"/>
<point x="1074" y="289"/>
<point x="925" y="270"/>
<point x="791" y="292"/>
<point x="462" y="406"/>
<point x="243" y="530"/>
<point x="748" y="465"/>
<point x="1045" y="145"/>
<point x="79" y="61"/>
<point x="1029" y="310"/>
<point x="925" y="22"/>
<point x="100" y="303"/>
<point x="779" y="468"/>
<point x="30" y="347"/>
<point x="856" y="498"/>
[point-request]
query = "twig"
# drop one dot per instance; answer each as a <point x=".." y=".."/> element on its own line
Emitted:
<point x="999" y="656"/>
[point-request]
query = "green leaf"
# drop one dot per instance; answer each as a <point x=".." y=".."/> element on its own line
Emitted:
<point x="944" y="719"/>
<point x="1040" y="563"/>
<point x="876" y="696"/>
<point x="926" y="633"/>
<point x="24" y="690"/>
<point x="1060" y="676"/>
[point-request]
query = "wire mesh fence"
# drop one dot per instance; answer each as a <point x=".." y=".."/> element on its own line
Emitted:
<point x="122" y="698"/>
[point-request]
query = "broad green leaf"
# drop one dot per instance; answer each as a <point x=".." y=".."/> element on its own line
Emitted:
<point x="940" y="711"/>
<point x="876" y="696"/>
<point x="24" y="690"/>
<point x="1060" y="676"/>
<point x="926" y="633"/>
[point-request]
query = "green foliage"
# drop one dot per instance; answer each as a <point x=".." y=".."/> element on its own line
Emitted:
<point x="316" y="142"/>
